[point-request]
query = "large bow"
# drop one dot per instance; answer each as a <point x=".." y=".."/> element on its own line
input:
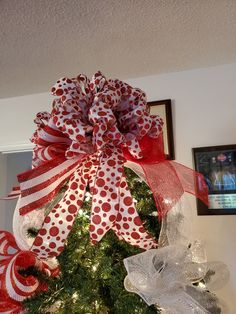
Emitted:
<point x="81" y="141"/>
<point x="92" y="126"/>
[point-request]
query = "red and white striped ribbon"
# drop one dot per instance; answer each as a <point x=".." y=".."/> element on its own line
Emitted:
<point x="39" y="186"/>
<point x="14" y="287"/>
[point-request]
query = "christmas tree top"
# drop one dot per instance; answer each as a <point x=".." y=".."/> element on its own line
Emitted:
<point x="95" y="127"/>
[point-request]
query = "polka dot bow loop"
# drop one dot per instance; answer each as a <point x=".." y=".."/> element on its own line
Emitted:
<point x="70" y="114"/>
<point x="120" y="115"/>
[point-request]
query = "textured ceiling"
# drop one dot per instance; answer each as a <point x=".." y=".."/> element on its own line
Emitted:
<point x="42" y="40"/>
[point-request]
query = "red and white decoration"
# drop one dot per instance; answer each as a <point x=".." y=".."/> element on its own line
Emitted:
<point x="93" y="129"/>
<point x="14" y="287"/>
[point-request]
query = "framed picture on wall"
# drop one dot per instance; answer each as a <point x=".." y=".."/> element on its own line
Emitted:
<point x="163" y="109"/>
<point x="218" y="165"/>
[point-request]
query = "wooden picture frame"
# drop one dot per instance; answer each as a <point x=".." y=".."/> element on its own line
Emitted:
<point x="163" y="109"/>
<point x="218" y="165"/>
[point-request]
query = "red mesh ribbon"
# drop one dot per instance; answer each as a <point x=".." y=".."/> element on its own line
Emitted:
<point x="167" y="179"/>
<point x="8" y="306"/>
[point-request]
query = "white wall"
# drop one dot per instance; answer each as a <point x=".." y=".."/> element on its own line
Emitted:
<point x="3" y="178"/>
<point x="204" y="113"/>
<point x="17" y="119"/>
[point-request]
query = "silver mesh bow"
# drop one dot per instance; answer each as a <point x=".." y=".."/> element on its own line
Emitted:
<point x="165" y="277"/>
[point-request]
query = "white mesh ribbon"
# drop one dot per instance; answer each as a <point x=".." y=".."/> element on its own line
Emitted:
<point x="165" y="277"/>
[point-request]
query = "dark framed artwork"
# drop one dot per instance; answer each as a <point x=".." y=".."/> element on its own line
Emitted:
<point x="218" y="165"/>
<point x="163" y="109"/>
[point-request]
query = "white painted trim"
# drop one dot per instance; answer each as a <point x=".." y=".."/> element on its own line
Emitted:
<point x="16" y="148"/>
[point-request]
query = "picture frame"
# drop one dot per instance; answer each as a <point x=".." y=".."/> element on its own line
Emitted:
<point x="164" y="110"/>
<point x="218" y="166"/>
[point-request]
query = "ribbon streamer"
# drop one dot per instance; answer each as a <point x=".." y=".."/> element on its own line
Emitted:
<point x="15" y="193"/>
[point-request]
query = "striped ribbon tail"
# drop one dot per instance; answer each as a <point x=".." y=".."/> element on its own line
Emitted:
<point x="41" y="184"/>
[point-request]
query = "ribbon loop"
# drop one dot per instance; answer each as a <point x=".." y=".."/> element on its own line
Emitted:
<point x="13" y="285"/>
<point x="8" y="246"/>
